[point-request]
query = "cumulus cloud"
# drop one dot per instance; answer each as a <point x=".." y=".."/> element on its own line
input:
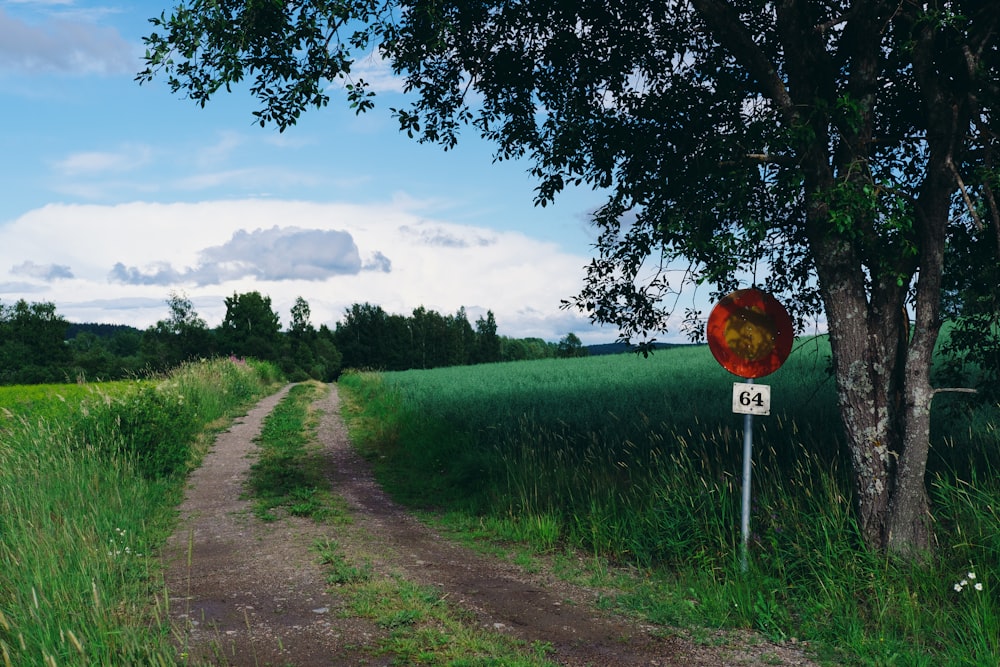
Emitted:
<point x="378" y="262"/>
<point x="47" y="272"/>
<point x="377" y="72"/>
<point x="274" y="254"/>
<point x="62" y="46"/>
<point x="288" y="253"/>
<point x="160" y="273"/>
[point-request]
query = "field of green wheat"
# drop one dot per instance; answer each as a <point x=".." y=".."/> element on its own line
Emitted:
<point x="638" y="461"/>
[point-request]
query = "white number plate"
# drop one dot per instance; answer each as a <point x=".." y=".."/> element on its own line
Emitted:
<point x="751" y="399"/>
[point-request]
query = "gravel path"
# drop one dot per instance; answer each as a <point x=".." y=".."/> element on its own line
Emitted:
<point x="245" y="592"/>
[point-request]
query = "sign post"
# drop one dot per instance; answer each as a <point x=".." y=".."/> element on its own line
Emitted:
<point x="750" y="335"/>
<point x="745" y="505"/>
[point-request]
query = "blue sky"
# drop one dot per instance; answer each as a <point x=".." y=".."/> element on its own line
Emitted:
<point x="115" y="194"/>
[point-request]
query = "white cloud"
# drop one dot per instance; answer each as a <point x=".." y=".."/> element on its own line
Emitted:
<point x="275" y="254"/>
<point x="226" y="144"/>
<point x="88" y="163"/>
<point x="17" y="290"/>
<point x="62" y="46"/>
<point x="126" y="259"/>
<point x="263" y="178"/>
<point x="46" y="272"/>
<point x="377" y="73"/>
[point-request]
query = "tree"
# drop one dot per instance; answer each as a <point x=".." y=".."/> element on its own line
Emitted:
<point x="326" y="357"/>
<point x="32" y="343"/>
<point x="462" y="338"/>
<point x="570" y="346"/>
<point x="827" y="147"/>
<point x="182" y="336"/>
<point x="361" y="336"/>
<point x="434" y="344"/>
<point x="311" y="353"/>
<point x="250" y="328"/>
<point x="300" y="325"/>
<point x="91" y="359"/>
<point x="488" y="343"/>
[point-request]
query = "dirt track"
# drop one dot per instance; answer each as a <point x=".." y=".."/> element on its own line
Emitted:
<point x="245" y="592"/>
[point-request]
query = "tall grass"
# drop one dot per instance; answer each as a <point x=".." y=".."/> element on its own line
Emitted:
<point x="84" y="508"/>
<point x="638" y="461"/>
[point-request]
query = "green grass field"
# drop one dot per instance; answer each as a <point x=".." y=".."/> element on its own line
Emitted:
<point x="638" y="462"/>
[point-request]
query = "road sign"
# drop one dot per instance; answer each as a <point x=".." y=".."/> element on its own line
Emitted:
<point x="750" y="333"/>
<point x="751" y="399"/>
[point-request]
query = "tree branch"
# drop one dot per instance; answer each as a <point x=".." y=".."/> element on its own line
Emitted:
<point x="761" y="158"/>
<point x="725" y="25"/>
<point x="956" y="390"/>
<point x="965" y="194"/>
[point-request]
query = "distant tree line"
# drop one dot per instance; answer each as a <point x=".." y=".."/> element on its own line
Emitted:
<point x="369" y="337"/>
<point x="37" y="345"/>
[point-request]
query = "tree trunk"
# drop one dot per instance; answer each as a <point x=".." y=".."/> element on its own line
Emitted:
<point x="883" y="372"/>
<point x="883" y="385"/>
<point x="909" y="527"/>
<point x="866" y="359"/>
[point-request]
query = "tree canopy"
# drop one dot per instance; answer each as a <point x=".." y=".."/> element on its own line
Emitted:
<point x="31" y="343"/>
<point x="825" y="150"/>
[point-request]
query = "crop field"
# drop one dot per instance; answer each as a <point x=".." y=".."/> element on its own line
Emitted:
<point x="638" y="462"/>
<point x="89" y="478"/>
<point x="53" y="401"/>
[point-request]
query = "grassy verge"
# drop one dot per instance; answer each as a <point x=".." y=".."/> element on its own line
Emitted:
<point x="288" y="474"/>
<point x="87" y="493"/>
<point x="637" y="463"/>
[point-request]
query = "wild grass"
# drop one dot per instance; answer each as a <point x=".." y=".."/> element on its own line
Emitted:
<point x="288" y="475"/>
<point x="638" y="462"/>
<point x="83" y="512"/>
<point x="420" y="626"/>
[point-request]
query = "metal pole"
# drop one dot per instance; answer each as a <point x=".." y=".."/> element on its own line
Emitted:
<point x="747" y="462"/>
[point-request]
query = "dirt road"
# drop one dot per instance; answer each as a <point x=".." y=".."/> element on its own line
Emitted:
<point x="245" y="592"/>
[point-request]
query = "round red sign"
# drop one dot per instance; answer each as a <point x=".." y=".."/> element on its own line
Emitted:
<point x="750" y="333"/>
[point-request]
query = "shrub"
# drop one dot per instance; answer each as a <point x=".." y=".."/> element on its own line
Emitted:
<point x="154" y="424"/>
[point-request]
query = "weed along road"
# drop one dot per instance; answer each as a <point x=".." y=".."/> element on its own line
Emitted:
<point x="366" y="583"/>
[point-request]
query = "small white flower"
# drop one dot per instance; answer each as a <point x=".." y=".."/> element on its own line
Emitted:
<point x="958" y="588"/>
<point x="978" y="586"/>
<point x="971" y="575"/>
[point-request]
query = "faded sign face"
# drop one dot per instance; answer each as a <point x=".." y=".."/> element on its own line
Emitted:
<point x="750" y="333"/>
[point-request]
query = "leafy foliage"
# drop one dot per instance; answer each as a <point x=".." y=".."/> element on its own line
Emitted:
<point x="183" y="336"/>
<point x="31" y="343"/>
<point x="972" y="299"/>
<point x="371" y="338"/>
<point x="250" y="327"/>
